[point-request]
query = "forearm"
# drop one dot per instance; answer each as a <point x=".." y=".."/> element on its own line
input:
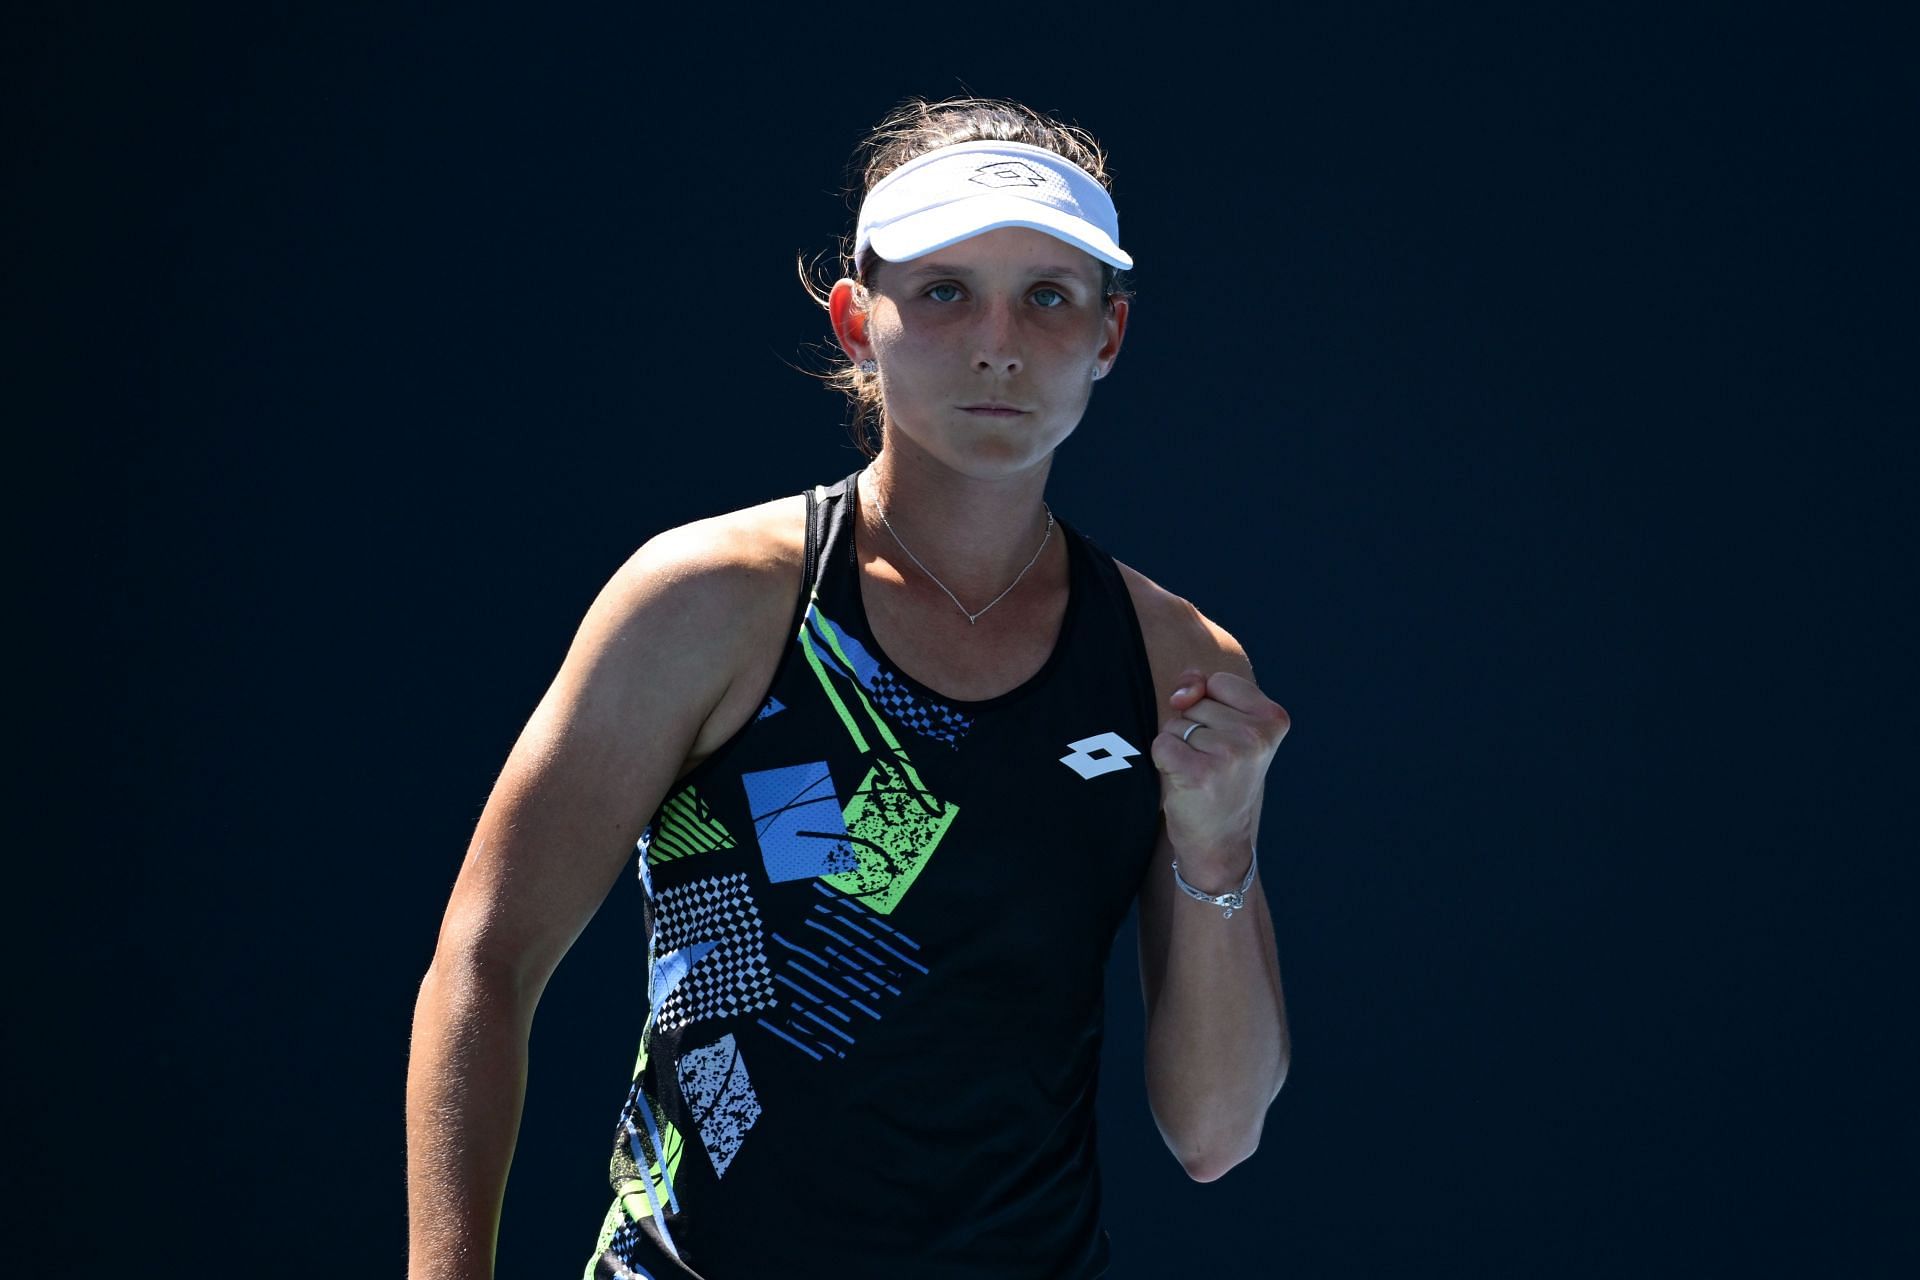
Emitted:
<point x="466" y="1084"/>
<point x="1217" y="1040"/>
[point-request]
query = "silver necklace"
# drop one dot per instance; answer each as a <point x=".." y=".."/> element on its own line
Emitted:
<point x="971" y="617"/>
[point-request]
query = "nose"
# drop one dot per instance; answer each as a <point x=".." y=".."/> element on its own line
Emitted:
<point x="997" y="341"/>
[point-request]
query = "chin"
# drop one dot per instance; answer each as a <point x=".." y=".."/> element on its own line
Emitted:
<point x="983" y="450"/>
<point x="996" y="459"/>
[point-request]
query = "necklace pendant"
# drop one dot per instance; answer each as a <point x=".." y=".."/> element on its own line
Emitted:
<point x="972" y="618"/>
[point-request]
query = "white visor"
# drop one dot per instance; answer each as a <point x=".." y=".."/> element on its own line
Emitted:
<point x="948" y="195"/>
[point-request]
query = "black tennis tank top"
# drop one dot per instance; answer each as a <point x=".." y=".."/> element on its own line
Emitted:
<point x="878" y="922"/>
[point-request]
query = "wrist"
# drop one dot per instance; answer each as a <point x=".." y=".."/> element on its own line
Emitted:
<point x="1217" y="868"/>
<point x="1230" y="898"/>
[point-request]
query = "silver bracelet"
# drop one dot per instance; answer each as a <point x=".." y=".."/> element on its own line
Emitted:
<point x="1232" y="900"/>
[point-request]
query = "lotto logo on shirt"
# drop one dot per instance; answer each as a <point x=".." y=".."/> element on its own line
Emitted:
<point x="1102" y="753"/>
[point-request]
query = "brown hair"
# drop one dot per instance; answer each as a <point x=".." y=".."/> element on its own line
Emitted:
<point x="912" y="129"/>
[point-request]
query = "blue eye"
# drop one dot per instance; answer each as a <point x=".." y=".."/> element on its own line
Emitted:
<point x="953" y="292"/>
<point x="1050" y="298"/>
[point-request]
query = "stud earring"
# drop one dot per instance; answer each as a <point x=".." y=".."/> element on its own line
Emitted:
<point x="1098" y="373"/>
<point x="869" y="367"/>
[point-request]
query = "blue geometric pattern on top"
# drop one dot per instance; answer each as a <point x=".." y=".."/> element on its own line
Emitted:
<point x="921" y="714"/>
<point x="799" y="821"/>
<point x="720" y="1097"/>
<point x="845" y="961"/>
<point x="644" y="843"/>
<point x="669" y="969"/>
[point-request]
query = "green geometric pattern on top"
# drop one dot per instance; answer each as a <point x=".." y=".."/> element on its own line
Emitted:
<point x="893" y="832"/>
<point x="640" y="1064"/>
<point x="685" y="828"/>
<point x="640" y="1122"/>
<point x="893" y="822"/>
<point x="631" y="1203"/>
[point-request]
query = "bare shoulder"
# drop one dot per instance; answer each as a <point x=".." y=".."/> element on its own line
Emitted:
<point x="734" y="581"/>
<point x="717" y="596"/>
<point x="668" y="660"/>
<point x="731" y="557"/>
<point x="1178" y="635"/>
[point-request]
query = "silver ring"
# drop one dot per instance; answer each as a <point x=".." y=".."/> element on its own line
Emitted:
<point x="1189" y="732"/>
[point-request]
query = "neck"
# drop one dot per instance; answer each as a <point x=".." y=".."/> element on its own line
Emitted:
<point x="974" y="534"/>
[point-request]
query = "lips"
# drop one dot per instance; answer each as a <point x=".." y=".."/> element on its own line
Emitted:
<point x="993" y="408"/>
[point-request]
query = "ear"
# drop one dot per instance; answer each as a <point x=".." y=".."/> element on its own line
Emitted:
<point x="1116" y="332"/>
<point x="849" y="320"/>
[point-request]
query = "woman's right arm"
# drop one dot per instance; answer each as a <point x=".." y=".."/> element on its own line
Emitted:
<point x="653" y="658"/>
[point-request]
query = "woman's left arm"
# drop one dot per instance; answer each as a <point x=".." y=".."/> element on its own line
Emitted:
<point x="1217" y="1042"/>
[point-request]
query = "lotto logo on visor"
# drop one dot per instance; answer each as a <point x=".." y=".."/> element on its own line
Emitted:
<point x="1009" y="173"/>
<point x="954" y="193"/>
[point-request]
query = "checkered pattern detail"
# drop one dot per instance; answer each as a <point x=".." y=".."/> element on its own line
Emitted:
<point x="731" y="979"/>
<point x="626" y="1242"/>
<point x="902" y="705"/>
<point x="922" y="715"/>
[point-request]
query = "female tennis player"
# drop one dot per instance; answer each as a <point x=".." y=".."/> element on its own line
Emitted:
<point x="893" y="757"/>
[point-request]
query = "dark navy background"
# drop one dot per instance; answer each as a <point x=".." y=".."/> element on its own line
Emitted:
<point x="1505" y="383"/>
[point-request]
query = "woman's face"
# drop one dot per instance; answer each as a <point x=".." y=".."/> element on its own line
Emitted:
<point x="987" y="348"/>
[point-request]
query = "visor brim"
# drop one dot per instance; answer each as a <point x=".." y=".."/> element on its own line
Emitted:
<point x="919" y="234"/>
